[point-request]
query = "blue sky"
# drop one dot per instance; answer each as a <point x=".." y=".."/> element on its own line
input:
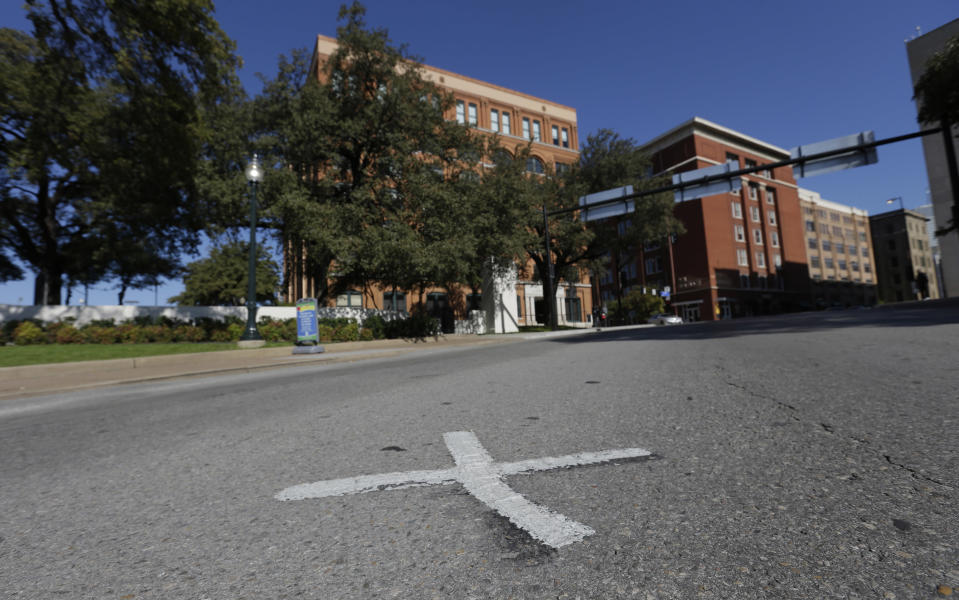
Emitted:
<point x="785" y="73"/>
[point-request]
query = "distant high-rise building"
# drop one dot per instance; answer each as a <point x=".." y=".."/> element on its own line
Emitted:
<point x="904" y="265"/>
<point x="839" y="252"/>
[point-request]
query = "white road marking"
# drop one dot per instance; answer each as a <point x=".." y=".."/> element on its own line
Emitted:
<point x="482" y="478"/>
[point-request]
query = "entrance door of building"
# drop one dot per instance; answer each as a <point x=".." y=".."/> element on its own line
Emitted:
<point x="438" y="307"/>
<point x="539" y="308"/>
<point x="690" y="312"/>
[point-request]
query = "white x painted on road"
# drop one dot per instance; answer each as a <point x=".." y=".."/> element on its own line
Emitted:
<point x="482" y="478"/>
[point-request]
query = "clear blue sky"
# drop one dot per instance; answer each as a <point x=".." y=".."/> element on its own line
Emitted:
<point x="786" y="73"/>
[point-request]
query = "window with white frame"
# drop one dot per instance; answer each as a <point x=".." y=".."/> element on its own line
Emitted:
<point x="460" y="112"/>
<point x="757" y="236"/>
<point x="753" y="191"/>
<point x="472" y="114"/>
<point x="754" y="213"/>
<point x="777" y="260"/>
<point x="505" y="128"/>
<point x="771" y="216"/>
<point x="770" y="196"/>
<point x="774" y="238"/>
<point x="737" y="210"/>
<point x="761" y="260"/>
<point x="555" y="131"/>
<point x="740" y="233"/>
<point x="742" y="259"/>
<point x="536" y="132"/>
<point x="350" y="298"/>
<point x="494" y="119"/>
<point x="526" y="132"/>
<point x="565" y="138"/>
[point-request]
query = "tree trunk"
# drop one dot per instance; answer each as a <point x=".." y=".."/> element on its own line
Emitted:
<point x="46" y="287"/>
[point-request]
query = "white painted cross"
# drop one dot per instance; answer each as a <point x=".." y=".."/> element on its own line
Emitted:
<point x="482" y="478"/>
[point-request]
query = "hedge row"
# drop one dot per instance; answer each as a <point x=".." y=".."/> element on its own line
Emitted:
<point x="145" y="330"/>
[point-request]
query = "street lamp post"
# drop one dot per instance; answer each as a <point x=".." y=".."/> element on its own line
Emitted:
<point x="893" y="199"/>
<point x="254" y="173"/>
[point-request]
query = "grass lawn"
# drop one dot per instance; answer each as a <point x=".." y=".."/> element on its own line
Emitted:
<point x="15" y="356"/>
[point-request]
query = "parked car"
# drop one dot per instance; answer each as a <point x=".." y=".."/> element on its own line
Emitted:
<point x="664" y="319"/>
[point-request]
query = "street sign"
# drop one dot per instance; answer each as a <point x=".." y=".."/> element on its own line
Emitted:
<point x="483" y="479"/>
<point x="857" y="156"/>
<point x="307" y="327"/>
<point x="610" y="210"/>
<point x="706" y="188"/>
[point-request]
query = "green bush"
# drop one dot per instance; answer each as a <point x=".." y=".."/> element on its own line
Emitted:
<point x="100" y="335"/>
<point x="348" y="332"/>
<point x="159" y="333"/>
<point x="326" y="333"/>
<point x="27" y="333"/>
<point x="220" y="335"/>
<point x="416" y="326"/>
<point x="236" y="330"/>
<point x="376" y="324"/>
<point x="6" y="331"/>
<point x="189" y="333"/>
<point x="366" y="335"/>
<point x="68" y="334"/>
<point x="131" y="333"/>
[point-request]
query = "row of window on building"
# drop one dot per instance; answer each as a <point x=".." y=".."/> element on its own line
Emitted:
<point x="466" y="113"/>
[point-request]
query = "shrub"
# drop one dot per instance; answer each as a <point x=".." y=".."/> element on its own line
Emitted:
<point x="189" y="333"/>
<point x="6" y="331"/>
<point x="236" y="330"/>
<point x="419" y="325"/>
<point x="220" y="335"/>
<point x="366" y="335"/>
<point x="159" y="333"/>
<point x="348" y="332"/>
<point x="52" y="329"/>
<point x="376" y="324"/>
<point x="100" y="335"/>
<point x="326" y="333"/>
<point x="131" y="333"/>
<point x="27" y="333"/>
<point x="68" y="334"/>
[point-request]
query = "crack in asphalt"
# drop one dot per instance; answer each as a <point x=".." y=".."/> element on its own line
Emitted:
<point x="795" y="415"/>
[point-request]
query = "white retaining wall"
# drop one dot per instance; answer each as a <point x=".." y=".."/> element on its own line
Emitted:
<point x="85" y="314"/>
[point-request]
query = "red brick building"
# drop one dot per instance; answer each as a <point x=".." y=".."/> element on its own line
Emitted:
<point x="743" y="252"/>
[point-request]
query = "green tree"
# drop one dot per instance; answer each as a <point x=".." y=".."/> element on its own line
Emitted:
<point x="221" y="279"/>
<point x="101" y="130"/>
<point x="936" y="90"/>
<point x="606" y="161"/>
<point x="374" y="184"/>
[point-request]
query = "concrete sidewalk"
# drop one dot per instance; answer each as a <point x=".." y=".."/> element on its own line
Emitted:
<point x="33" y="380"/>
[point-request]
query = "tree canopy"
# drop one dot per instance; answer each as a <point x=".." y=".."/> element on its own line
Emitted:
<point x="606" y="161"/>
<point x="371" y="183"/>
<point x="937" y="89"/>
<point x="101" y="130"/>
<point x="221" y="279"/>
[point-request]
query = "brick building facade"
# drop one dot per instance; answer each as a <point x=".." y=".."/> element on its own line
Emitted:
<point x="743" y="252"/>
<point x="518" y="119"/>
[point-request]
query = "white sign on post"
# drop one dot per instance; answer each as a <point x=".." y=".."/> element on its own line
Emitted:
<point x="694" y="190"/>
<point x="856" y="157"/>
<point x="609" y="210"/>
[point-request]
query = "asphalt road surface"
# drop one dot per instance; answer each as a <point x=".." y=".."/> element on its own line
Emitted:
<point x="803" y="456"/>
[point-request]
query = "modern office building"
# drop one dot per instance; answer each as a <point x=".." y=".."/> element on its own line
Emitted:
<point x="905" y="268"/>
<point x="839" y="252"/>
<point x="944" y="197"/>
<point x="743" y="252"/>
<point x="518" y="119"/>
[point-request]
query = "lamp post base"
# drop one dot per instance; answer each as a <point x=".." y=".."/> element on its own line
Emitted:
<point x="251" y="343"/>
